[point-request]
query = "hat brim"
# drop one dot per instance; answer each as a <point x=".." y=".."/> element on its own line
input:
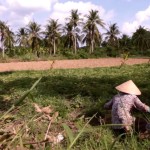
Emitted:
<point x="128" y="87"/>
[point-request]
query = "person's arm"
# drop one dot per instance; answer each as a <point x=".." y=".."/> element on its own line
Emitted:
<point x="141" y="106"/>
<point x="108" y="105"/>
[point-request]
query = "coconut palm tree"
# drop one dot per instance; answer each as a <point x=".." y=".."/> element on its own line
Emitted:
<point x="141" y="38"/>
<point x="34" y="31"/>
<point x="125" y="43"/>
<point x="86" y="38"/>
<point x="74" y="22"/>
<point x="147" y="36"/>
<point x="111" y="35"/>
<point x="90" y="29"/>
<point x="1" y="34"/>
<point x="52" y="33"/>
<point x="6" y="37"/>
<point x="9" y="39"/>
<point x="68" y="35"/>
<point x="22" y="37"/>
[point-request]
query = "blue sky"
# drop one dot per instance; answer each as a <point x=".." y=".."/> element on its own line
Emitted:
<point x="128" y="14"/>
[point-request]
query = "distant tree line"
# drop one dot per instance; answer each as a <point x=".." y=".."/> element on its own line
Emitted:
<point x="76" y="32"/>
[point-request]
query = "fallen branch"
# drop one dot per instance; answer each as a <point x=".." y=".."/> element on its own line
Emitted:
<point x="55" y="115"/>
<point x="44" y="141"/>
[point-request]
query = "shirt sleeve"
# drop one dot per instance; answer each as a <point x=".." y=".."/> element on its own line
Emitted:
<point x="139" y="105"/>
<point x="108" y="105"/>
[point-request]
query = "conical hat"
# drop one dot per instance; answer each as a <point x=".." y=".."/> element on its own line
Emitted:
<point x="128" y="87"/>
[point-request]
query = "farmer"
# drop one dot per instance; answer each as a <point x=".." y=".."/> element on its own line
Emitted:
<point x="121" y="105"/>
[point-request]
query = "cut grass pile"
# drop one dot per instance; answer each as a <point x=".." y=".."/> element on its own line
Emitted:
<point x="74" y="95"/>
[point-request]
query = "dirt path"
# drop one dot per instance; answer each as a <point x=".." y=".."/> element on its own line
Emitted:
<point x="64" y="64"/>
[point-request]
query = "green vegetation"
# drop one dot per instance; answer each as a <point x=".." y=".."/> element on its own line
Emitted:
<point x="87" y="37"/>
<point x="73" y="97"/>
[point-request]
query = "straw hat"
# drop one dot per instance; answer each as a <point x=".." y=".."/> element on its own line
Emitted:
<point x="128" y="87"/>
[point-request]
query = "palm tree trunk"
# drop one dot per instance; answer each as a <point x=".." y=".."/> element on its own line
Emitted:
<point x="3" y="52"/>
<point x="92" y="46"/>
<point x="54" y="47"/>
<point x="50" y="52"/>
<point x="75" y="47"/>
<point x="92" y="41"/>
<point x="75" y="44"/>
<point x="3" y="49"/>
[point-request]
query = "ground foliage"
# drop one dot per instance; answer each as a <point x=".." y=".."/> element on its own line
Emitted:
<point x="64" y="100"/>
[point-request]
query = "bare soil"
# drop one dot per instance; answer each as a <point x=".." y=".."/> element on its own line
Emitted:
<point x="66" y="64"/>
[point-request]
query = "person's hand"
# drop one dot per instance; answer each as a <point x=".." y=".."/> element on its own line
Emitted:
<point x="128" y="129"/>
<point x="148" y="110"/>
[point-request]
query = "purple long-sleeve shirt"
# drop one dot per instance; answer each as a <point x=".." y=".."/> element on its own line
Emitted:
<point x="121" y="105"/>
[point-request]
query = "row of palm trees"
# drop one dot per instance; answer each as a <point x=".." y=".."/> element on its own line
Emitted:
<point x="74" y="33"/>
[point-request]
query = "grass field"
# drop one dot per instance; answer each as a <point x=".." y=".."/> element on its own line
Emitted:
<point x="74" y="95"/>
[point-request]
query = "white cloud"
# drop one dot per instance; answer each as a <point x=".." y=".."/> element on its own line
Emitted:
<point x="30" y="4"/>
<point x="109" y="15"/>
<point x="66" y="7"/>
<point x="19" y="12"/>
<point x="141" y="17"/>
<point x="130" y="27"/>
<point x="27" y="18"/>
<point x="16" y="21"/>
<point x="2" y="9"/>
<point x="62" y="10"/>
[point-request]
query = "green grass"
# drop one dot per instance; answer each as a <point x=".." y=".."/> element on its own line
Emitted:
<point x="71" y="91"/>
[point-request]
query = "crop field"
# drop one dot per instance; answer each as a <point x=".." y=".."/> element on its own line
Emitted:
<point x="63" y="109"/>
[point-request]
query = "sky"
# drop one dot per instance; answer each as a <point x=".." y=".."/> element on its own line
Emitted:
<point x="128" y="14"/>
